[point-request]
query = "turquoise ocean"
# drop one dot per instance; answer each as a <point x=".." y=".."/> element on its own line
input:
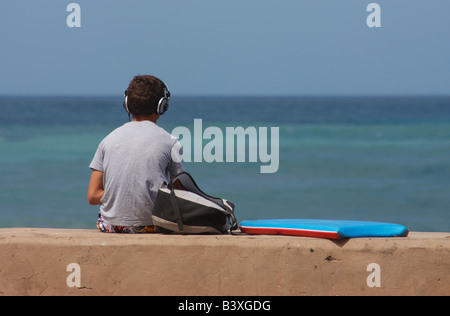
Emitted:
<point x="355" y="158"/>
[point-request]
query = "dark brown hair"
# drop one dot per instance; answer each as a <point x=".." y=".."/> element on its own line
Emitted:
<point x="144" y="93"/>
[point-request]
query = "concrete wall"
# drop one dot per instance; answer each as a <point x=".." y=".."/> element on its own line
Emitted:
<point x="38" y="262"/>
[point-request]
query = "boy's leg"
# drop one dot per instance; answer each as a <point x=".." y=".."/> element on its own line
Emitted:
<point x="108" y="228"/>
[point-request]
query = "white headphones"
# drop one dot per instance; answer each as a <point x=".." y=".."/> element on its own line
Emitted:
<point x="163" y="104"/>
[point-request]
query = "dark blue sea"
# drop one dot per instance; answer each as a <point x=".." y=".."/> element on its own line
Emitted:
<point x="355" y="158"/>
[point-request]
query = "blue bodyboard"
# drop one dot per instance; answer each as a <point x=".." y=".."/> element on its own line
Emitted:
<point x="331" y="229"/>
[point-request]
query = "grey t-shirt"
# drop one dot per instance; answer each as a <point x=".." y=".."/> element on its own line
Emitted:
<point x="136" y="159"/>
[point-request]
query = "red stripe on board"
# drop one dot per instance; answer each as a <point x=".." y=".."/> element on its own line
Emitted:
<point x="289" y="232"/>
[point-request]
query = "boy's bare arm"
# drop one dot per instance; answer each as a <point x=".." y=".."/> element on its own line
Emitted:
<point x="96" y="189"/>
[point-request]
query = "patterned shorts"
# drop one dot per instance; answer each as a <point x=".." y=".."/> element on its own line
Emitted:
<point x="108" y="228"/>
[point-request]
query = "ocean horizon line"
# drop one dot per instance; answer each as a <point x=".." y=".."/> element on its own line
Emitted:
<point x="238" y="95"/>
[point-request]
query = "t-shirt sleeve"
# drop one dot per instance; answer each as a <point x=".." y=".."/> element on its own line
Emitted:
<point x="97" y="161"/>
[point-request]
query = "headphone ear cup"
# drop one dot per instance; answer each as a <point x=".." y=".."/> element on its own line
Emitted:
<point x="163" y="106"/>
<point x="125" y="104"/>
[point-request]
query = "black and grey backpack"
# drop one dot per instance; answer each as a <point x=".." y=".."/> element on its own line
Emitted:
<point x="181" y="207"/>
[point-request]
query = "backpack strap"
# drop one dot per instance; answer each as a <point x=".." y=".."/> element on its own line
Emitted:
<point x="176" y="209"/>
<point x="184" y="181"/>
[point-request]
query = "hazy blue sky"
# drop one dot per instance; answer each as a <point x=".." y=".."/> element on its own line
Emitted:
<point x="207" y="47"/>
